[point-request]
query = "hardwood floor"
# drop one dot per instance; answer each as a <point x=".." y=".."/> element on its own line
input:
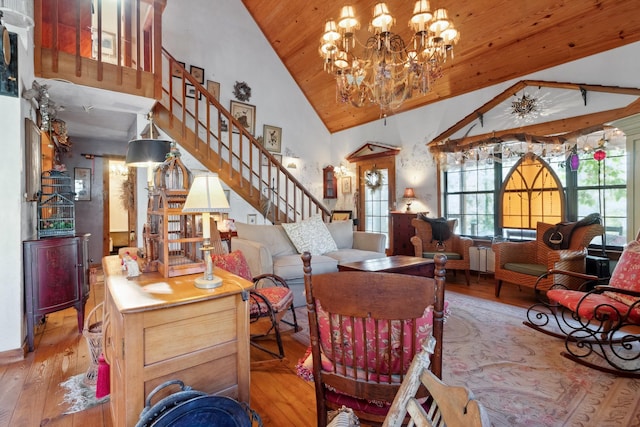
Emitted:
<point x="30" y="394"/>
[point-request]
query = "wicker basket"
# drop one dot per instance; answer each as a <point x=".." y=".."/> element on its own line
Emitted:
<point x="93" y="333"/>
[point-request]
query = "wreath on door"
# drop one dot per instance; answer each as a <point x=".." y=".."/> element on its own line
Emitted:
<point x="373" y="178"/>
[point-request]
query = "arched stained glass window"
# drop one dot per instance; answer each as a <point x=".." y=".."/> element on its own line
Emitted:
<point x="531" y="193"/>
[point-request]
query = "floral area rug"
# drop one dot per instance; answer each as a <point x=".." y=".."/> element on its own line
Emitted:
<point x="519" y="374"/>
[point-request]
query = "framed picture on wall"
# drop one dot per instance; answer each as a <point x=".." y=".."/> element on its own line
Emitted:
<point x="214" y="89"/>
<point x="33" y="160"/>
<point x="346" y="184"/>
<point x="245" y="114"/>
<point x="272" y="138"/>
<point x="197" y="73"/>
<point x="175" y="71"/>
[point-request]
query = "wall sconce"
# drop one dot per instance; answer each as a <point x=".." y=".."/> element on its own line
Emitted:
<point x="408" y="196"/>
<point x="206" y="196"/>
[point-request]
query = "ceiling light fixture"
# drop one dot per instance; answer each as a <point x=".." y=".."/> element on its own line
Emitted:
<point x="387" y="71"/>
<point x="525" y="107"/>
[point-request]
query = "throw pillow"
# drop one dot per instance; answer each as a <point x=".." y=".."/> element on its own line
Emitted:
<point x="235" y="263"/>
<point x="310" y="235"/>
<point x="626" y="275"/>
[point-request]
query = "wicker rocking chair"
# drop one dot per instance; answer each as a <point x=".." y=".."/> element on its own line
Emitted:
<point x="599" y="322"/>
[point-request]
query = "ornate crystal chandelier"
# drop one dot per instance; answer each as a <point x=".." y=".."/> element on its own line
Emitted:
<point x="386" y="71"/>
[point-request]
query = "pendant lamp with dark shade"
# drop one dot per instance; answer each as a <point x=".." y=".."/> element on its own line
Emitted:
<point x="147" y="151"/>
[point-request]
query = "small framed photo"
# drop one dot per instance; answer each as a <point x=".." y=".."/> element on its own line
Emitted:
<point x="82" y="183"/>
<point x="252" y="219"/>
<point x="245" y="114"/>
<point x="214" y="89"/>
<point x="272" y="138"/>
<point x="175" y="71"/>
<point x="265" y="159"/>
<point x="108" y="43"/>
<point x="346" y="184"/>
<point x="190" y="91"/>
<point x="197" y="73"/>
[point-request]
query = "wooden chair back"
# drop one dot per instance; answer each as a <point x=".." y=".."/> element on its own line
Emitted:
<point x="347" y="309"/>
<point x="447" y="405"/>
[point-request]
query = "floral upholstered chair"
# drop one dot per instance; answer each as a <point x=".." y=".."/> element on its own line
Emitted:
<point x="270" y="298"/>
<point x="365" y="328"/>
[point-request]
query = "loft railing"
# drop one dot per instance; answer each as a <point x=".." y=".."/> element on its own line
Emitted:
<point x="192" y="116"/>
<point x="112" y="45"/>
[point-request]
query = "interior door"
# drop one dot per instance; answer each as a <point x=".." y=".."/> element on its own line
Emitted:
<point x="376" y="194"/>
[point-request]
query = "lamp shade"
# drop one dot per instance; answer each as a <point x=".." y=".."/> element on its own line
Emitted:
<point x="409" y="193"/>
<point x="143" y="152"/>
<point x="206" y="195"/>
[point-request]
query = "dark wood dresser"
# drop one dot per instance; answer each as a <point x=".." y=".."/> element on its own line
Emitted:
<point x="401" y="233"/>
<point x="56" y="277"/>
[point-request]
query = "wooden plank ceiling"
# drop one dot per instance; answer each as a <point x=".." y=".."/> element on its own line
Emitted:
<point x="500" y="40"/>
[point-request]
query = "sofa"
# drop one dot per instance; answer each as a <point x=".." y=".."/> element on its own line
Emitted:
<point x="270" y="249"/>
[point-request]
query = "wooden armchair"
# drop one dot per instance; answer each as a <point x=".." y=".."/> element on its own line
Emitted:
<point x="599" y="322"/>
<point x="522" y="263"/>
<point x="455" y="248"/>
<point x="365" y="329"/>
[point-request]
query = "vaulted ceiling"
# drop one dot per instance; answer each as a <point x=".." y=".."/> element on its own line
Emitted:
<point x="500" y="40"/>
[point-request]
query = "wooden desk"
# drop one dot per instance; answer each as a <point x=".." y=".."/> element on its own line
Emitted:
<point x="158" y="329"/>
<point x="393" y="264"/>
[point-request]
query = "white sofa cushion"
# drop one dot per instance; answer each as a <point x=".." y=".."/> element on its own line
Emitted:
<point x="342" y="233"/>
<point x="344" y="256"/>
<point x="310" y="235"/>
<point x="290" y="266"/>
<point x="272" y="236"/>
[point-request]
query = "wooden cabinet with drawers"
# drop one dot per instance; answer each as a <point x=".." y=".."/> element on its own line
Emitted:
<point x="158" y="329"/>
<point x="401" y="233"/>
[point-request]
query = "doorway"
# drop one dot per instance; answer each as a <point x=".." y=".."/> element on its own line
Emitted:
<point x="377" y="188"/>
<point x="119" y="206"/>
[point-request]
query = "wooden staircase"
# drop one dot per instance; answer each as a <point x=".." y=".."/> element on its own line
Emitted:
<point x="207" y="131"/>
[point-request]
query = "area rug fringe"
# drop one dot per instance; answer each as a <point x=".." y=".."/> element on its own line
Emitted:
<point x="79" y="396"/>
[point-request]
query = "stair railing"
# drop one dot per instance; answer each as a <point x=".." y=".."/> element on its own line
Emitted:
<point x="209" y="132"/>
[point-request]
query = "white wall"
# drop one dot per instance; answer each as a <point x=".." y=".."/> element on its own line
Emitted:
<point x="16" y="215"/>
